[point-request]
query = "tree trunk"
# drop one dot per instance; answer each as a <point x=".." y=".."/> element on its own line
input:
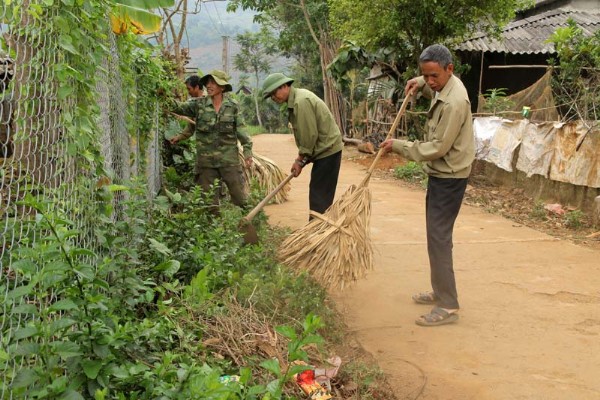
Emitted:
<point x="332" y="95"/>
<point x="327" y="49"/>
<point x="256" y="95"/>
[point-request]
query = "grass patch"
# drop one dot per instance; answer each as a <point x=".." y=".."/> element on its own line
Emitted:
<point x="411" y="172"/>
<point x="252" y="130"/>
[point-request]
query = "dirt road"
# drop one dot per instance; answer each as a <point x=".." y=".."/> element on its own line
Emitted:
<point x="529" y="323"/>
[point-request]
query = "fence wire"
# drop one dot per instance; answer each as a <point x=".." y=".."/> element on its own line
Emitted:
<point x="37" y="161"/>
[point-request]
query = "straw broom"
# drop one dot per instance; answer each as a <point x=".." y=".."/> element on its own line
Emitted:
<point x="266" y="173"/>
<point x="335" y="247"/>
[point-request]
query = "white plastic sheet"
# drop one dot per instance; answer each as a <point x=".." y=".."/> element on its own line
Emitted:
<point x="547" y="149"/>
<point x="537" y="149"/>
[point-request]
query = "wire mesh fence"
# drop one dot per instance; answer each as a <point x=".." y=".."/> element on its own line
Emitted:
<point x="49" y="144"/>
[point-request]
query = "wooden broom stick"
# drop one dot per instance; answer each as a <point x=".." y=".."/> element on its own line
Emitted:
<point x="389" y="136"/>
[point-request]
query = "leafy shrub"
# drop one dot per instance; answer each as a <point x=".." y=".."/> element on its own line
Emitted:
<point x="576" y="82"/>
<point x="538" y="211"/>
<point x="574" y="219"/>
<point x="411" y="172"/>
<point x="497" y="101"/>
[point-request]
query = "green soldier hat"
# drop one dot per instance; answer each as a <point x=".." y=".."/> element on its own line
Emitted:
<point x="272" y="82"/>
<point x="220" y="77"/>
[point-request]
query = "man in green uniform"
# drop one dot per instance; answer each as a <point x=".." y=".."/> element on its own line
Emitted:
<point x="447" y="150"/>
<point x="317" y="136"/>
<point x="218" y="129"/>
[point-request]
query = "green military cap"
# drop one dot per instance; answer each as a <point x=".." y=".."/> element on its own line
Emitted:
<point x="220" y="77"/>
<point x="273" y="81"/>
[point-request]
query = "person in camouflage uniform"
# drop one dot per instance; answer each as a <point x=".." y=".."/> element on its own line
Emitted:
<point x="194" y="89"/>
<point x="218" y="129"/>
<point x="6" y="106"/>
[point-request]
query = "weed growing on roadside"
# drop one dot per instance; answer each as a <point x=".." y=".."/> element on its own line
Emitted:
<point x="574" y="219"/>
<point x="366" y="376"/>
<point x="411" y="172"/>
<point x="538" y="211"/>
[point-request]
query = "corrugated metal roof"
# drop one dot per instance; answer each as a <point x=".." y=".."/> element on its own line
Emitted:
<point x="529" y="35"/>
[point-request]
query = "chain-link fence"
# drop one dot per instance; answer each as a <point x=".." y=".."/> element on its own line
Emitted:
<point x="51" y="149"/>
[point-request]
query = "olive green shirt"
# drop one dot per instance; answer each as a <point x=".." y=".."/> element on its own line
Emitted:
<point x="217" y="134"/>
<point x="448" y="148"/>
<point x="315" y="131"/>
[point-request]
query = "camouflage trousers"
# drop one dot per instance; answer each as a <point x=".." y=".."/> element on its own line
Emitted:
<point x="212" y="179"/>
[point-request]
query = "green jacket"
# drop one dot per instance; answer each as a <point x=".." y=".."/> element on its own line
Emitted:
<point x="217" y="134"/>
<point x="448" y="147"/>
<point x="315" y="131"/>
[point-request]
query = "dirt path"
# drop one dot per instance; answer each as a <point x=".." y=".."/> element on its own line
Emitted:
<point x="529" y="325"/>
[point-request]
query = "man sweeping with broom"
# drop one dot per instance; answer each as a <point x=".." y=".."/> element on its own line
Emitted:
<point x="317" y="136"/>
<point x="447" y="150"/>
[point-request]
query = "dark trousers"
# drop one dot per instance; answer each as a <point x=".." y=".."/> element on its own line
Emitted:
<point x="233" y="178"/>
<point x="323" y="181"/>
<point x="442" y="204"/>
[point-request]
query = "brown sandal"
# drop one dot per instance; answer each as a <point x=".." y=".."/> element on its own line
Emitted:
<point x="437" y="316"/>
<point x="425" y="298"/>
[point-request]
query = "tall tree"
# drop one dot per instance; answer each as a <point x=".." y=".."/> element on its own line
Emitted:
<point x="255" y="57"/>
<point x="409" y="26"/>
<point x="302" y="22"/>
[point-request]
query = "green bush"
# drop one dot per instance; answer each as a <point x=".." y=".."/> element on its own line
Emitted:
<point x="411" y="172"/>
<point x="496" y="101"/>
<point x="538" y="211"/>
<point x="574" y="219"/>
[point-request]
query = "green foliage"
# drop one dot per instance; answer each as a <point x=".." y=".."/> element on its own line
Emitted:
<point x="94" y="304"/>
<point x="574" y="219"/>
<point x="256" y="51"/>
<point x="272" y="119"/>
<point x="366" y="376"/>
<point x="140" y="12"/>
<point x="71" y="300"/>
<point x="296" y="352"/>
<point x="538" y="211"/>
<point x="409" y="26"/>
<point x="252" y="130"/>
<point x="350" y="57"/>
<point x="411" y="172"/>
<point x="114" y="323"/>
<point x="255" y="57"/>
<point x="497" y="101"/>
<point x="576" y="83"/>
<point x="185" y="226"/>
<point x="295" y="39"/>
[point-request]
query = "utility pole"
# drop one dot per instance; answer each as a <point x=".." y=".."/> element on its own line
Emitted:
<point x="225" y="54"/>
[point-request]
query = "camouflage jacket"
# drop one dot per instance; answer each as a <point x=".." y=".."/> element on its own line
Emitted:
<point x="217" y="134"/>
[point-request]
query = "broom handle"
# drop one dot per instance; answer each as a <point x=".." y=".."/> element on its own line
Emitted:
<point x="264" y="201"/>
<point x="389" y="136"/>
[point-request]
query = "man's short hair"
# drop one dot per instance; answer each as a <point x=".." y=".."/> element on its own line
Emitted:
<point x="436" y="53"/>
<point x="193" y="81"/>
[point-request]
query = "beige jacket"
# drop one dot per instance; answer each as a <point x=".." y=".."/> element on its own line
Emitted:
<point x="448" y="148"/>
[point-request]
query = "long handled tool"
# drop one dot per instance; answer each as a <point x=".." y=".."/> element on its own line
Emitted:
<point x="335" y="247"/>
<point x="245" y="225"/>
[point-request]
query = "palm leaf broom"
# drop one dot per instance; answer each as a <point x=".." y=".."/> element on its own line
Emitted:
<point x="267" y="175"/>
<point x="335" y="247"/>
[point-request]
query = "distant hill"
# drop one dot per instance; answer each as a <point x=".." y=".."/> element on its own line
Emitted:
<point x="205" y="32"/>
